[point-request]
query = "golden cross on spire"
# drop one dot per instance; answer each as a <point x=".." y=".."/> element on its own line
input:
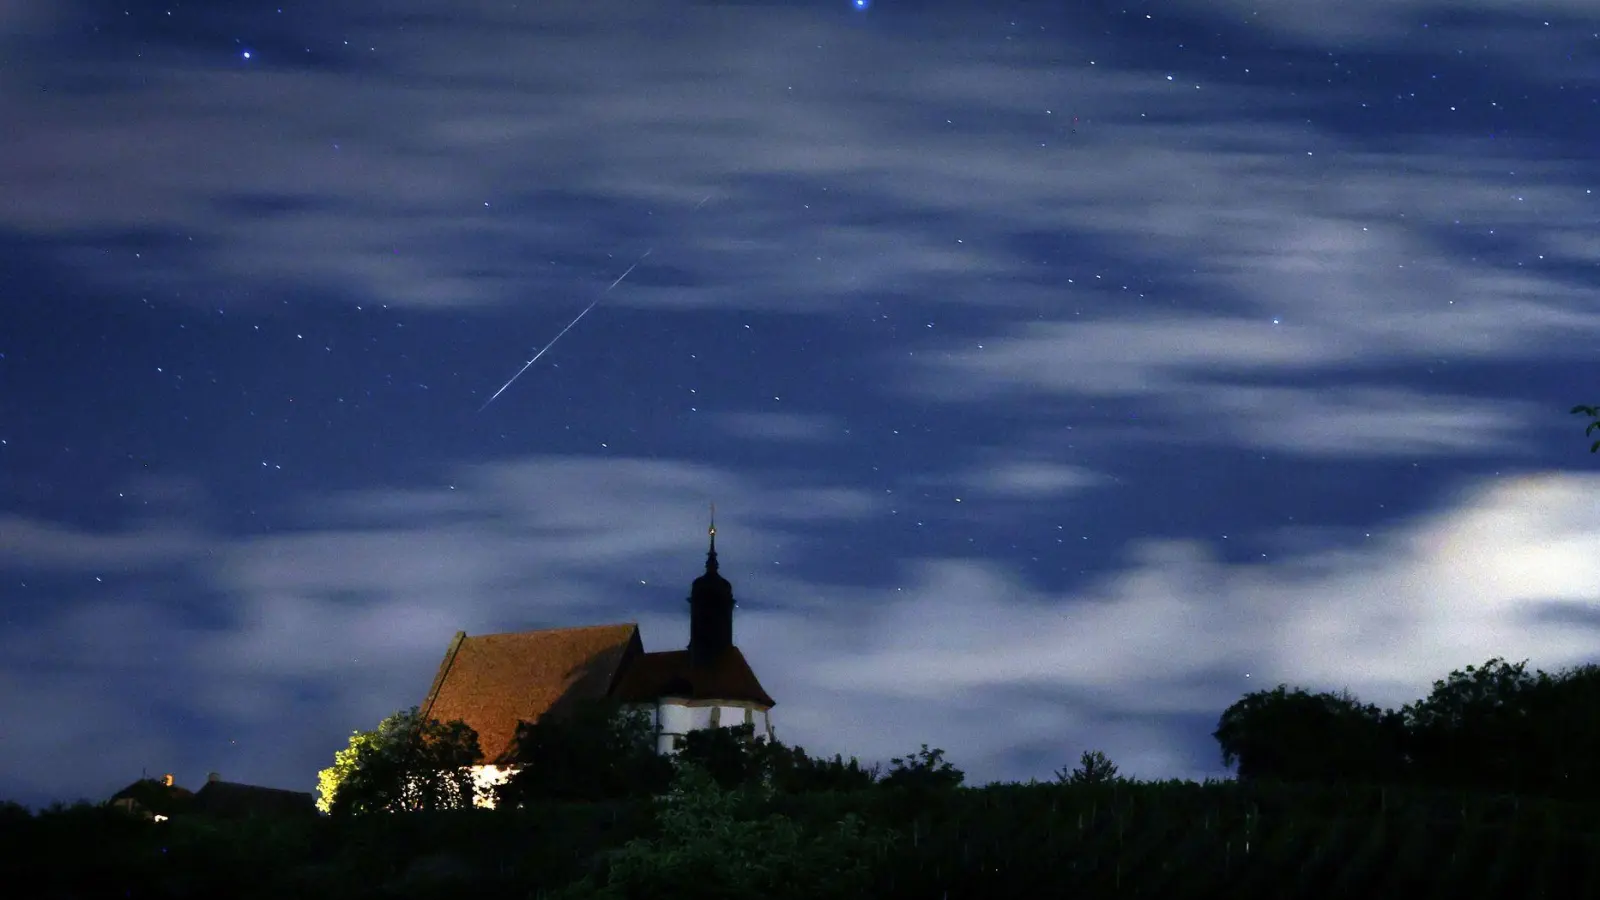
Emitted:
<point x="711" y="552"/>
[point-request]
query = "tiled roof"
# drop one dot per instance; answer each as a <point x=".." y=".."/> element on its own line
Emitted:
<point x="227" y="799"/>
<point x="494" y="681"/>
<point x="651" y="676"/>
<point x="152" y="795"/>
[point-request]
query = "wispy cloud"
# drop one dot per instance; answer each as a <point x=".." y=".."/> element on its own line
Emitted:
<point x="1032" y="479"/>
<point x="636" y="129"/>
<point x="1357" y="423"/>
<point x="28" y="544"/>
<point x="793" y="427"/>
<point x="1176" y="632"/>
<point x="1012" y="475"/>
<point x="1365" y="23"/>
<point x="1289" y="250"/>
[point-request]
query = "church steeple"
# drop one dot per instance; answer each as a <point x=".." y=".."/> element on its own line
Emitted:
<point x="710" y="608"/>
<point x="711" y="555"/>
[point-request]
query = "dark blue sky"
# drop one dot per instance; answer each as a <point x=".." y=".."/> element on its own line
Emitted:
<point x="1060" y="372"/>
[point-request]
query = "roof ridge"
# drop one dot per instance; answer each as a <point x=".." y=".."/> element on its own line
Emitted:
<point x="253" y="787"/>
<point x="492" y="682"/>
<point x="559" y="628"/>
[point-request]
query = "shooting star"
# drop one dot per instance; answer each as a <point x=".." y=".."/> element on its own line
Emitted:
<point x="579" y="317"/>
<point x="529" y="363"/>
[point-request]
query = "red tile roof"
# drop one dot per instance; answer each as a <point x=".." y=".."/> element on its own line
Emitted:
<point x="651" y="676"/>
<point x="494" y="681"/>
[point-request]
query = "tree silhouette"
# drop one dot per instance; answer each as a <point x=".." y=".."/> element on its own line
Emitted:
<point x="794" y="772"/>
<point x="1297" y="736"/>
<point x="713" y="842"/>
<point x="1592" y="412"/>
<point x="1471" y="729"/>
<point x="1564" y="726"/>
<point x="1495" y="727"/>
<point x="406" y="763"/>
<point x="1093" y="768"/>
<point x="734" y="759"/>
<point x="923" y="769"/>
<point x="730" y="755"/>
<point x="13" y="815"/>
<point x="595" y="751"/>
<point x="1499" y="727"/>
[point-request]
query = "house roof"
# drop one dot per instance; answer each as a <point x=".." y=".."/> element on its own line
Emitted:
<point x="227" y="799"/>
<point x="652" y="676"/>
<point x="494" y="681"/>
<point x="151" y="794"/>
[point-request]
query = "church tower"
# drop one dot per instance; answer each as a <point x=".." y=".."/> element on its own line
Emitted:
<point x="710" y="610"/>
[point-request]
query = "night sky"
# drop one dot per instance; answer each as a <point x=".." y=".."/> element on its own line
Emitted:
<point x="1060" y="371"/>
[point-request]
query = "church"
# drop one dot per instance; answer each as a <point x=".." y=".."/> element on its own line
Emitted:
<point x="494" y="681"/>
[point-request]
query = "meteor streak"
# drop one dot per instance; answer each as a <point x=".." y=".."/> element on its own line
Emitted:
<point x="595" y="302"/>
<point x="592" y="304"/>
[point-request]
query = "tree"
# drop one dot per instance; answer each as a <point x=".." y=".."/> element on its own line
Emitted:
<point x="406" y="763"/>
<point x="1494" y="727"/>
<point x="1564" y="733"/>
<point x="1479" y="727"/>
<point x="1592" y="412"/>
<point x="13" y="815"/>
<point x="1298" y="736"/>
<point x="593" y="751"/>
<point x="734" y="758"/>
<point x="731" y="755"/>
<point x="794" y="772"/>
<point x="1093" y="768"/>
<point x="715" y="843"/>
<point x="923" y="769"/>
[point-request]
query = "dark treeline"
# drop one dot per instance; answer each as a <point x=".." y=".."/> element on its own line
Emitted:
<point x="1495" y="727"/>
<point x="1485" y="788"/>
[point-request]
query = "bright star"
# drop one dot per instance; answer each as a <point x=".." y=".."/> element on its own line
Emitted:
<point x="861" y="4"/>
<point x="246" y="54"/>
